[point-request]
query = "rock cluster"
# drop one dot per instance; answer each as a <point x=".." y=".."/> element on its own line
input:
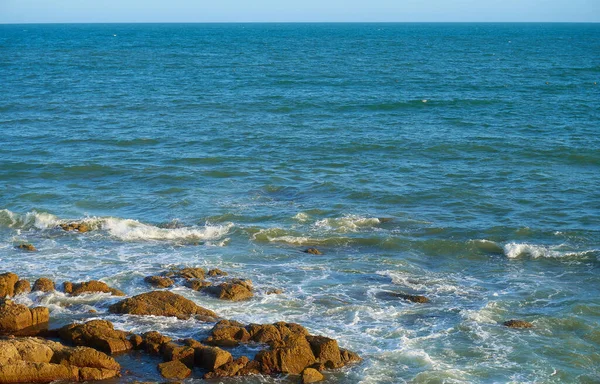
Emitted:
<point x="27" y="247"/>
<point x="77" y="289"/>
<point x="19" y="319"/>
<point x="161" y="303"/>
<point x="81" y="227"/>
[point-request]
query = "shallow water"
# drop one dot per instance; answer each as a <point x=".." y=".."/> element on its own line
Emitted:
<point x="457" y="161"/>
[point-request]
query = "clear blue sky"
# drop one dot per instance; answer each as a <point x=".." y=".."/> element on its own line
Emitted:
<point x="86" y="11"/>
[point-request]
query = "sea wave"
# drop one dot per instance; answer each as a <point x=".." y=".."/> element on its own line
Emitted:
<point x="350" y="223"/>
<point x="516" y="250"/>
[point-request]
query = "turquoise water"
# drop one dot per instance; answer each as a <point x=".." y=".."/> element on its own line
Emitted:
<point x="239" y="145"/>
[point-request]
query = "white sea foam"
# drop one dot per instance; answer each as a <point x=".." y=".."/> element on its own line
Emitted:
<point x="515" y="250"/>
<point x="350" y="223"/>
<point x="40" y="220"/>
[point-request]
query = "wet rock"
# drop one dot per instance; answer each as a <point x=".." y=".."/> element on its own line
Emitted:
<point x="174" y="370"/>
<point x="228" y="333"/>
<point x="230" y="369"/>
<point x="211" y="358"/>
<point x="217" y="272"/>
<point x="136" y="341"/>
<point x="235" y="290"/>
<point x="191" y="273"/>
<point x="160" y="303"/>
<point x="312" y="251"/>
<point x="399" y="295"/>
<point x="159" y="281"/>
<point x="77" y="289"/>
<point x="326" y="351"/>
<point x="197" y="284"/>
<point x="311" y="375"/>
<point x="517" y="324"/>
<point x="98" y="334"/>
<point x="185" y="354"/>
<point x="43" y="284"/>
<point x="22" y="287"/>
<point x="81" y="227"/>
<point x="349" y="357"/>
<point x="27" y="247"/>
<point x="41" y="361"/>
<point x="154" y="341"/>
<point x="385" y="219"/>
<point x="274" y="291"/>
<point x="291" y="356"/>
<point x="7" y="284"/>
<point x="18" y="318"/>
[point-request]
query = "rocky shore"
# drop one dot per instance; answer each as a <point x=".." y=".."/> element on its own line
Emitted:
<point x="81" y="351"/>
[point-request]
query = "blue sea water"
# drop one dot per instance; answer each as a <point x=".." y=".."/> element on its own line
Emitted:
<point x="456" y="161"/>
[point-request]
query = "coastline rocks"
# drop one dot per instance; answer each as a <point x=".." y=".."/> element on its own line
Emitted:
<point x="7" y="284"/>
<point x="197" y="284"/>
<point x="76" y="289"/>
<point x="185" y="354"/>
<point x="311" y="375"/>
<point x="153" y="342"/>
<point x="399" y="295"/>
<point x="43" y="284"/>
<point x="43" y="361"/>
<point x="98" y="334"/>
<point x="27" y="247"/>
<point x="312" y="251"/>
<point x="517" y="324"/>
<point x="291" y="356"/>
<point x="160" y="303"/>
<point x="174" y="370"/>
<point x="18" y="318"/>
<point x="217" y="272"/>
<point x="189" y="273"/>
<point x="235" y="290"/>
<point x="22" y="286"/>
<point x="159" y="281"/>
<point x="81" y="227"/>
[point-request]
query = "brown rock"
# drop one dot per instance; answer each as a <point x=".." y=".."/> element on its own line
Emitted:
<point x="43" y="284"/>
<point x="22" y="286"/>
<point x="7" y="284"/>
<point x="136" y="341"/>
<point x="212" y="358"/>
<point x="349" y="357"/>
<point x="185" y="354"/>
<point x="81" y="227"/>
<point x="191" y="273"/>
<point x="197" y="285"/>
<point x="234" y="290"/>
<point x="228" y="333"/>
<point x="292" y="356"/>
<point x="159" y="281"/>
<point x="274" y="291"/>
<point x="517" y="324"/>
<point x="18" y="318"/>
<point x="77" y="289"/>
<point x="312" y="251"/>
<point x="229" y="369"/>
<point x="174" y="370"/>
<point x="27" y="247"/>
<point x="154" y="342"/>
<point x="98" y="334"/>
<point x="326" y="351"/>
<point x="398" y="295"/>
<point x="311" y="375"/>
<point x="160" y="303"/>
<point x="217" y="272"/>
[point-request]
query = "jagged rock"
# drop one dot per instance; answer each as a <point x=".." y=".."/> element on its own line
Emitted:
<point x="230" y="369"/>
<point x="312" y="251"/>
<point x="43" y="284"/>
<point x="349" y="357"/>
<point x="154" y="342"/>
<point x="228" y="333"/>
<point x="211" y="358"/>
<point x="136" y="341"/>
<point x="81" y="227"/>
<point x="190" y="273"/>
<point x="291" y="356"/>
<point x="77" y="289"/>
<point x="235" y="290"/>
<point x="174" y="370"/>
<point x="7" y="284"/>
<point x="22" y="286"/>
<point x="160" y="303"/>
<point x="326" y="351"/>
<point x="311" y="375"/>
<point x="197" y="285"/>
<point x="159" y="281"/>
<point x="517" y="324"/>
<point x="18" y="318"/>
<point x="42" y="361"/>
<point x="98" y="334"/>
<point x="27" y="247"/>
<point x="274" y="291"/>
<point x="217" y="272"/>
<point x="185" y="354"/>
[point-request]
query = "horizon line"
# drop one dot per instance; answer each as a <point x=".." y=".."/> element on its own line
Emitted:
<point x="299" y="22"/>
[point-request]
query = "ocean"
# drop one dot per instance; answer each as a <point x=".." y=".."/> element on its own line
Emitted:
<point x="456" y="161"/>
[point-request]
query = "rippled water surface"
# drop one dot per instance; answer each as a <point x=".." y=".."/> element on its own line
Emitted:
<point x="456" y="161"/>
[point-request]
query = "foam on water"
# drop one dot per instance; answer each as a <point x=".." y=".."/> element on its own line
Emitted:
<point x="515" y="250"/>
<point x="350" y="223"/>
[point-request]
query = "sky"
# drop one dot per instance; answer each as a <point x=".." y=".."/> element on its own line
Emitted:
<point x="111" y="11"/>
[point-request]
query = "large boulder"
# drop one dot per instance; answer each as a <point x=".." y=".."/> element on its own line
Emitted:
<point x="43" y="284"/>
<point x="159" y="281"/>
<point x="311" y="375"/>
<point x="211" y="358"/>
<point x="22" y="287"/>
<point x="42" y="361"/>
<point x="7" y="284"/>
<point x="77" y="289"/>
<point x="183" y="353"/>
<point x="291" y="356"/>
<point x="197" y="284"/>
<point x="174" y="369"/>
<point x="235" y="290"/>
<point x="98" y="334"/>
<point x="326" y="351"/>
<point x="18" y="318"/>
<point x="160" y="303"/>
<point x="153" y="342"/>
<point x="188" y="273"/>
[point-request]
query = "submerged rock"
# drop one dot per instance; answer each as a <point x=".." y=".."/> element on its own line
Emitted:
<point x="160" y="303"/>
<point x="159" y="281"/>
<point x="217" y="272"/>
<point x="19" y="319"/>
<point x="404" y="296"/>
<point x="91" y="286"/>
<point x="190" y="273"/>
<point x="27" y="247"/>
<point x="43" y="361"/>
<point x="7" y="284"/>
<point x="98" y="334"/>
<point x="235" y="290"/>
<point x="312" y="251"/>
<point x="197" y="284"/>
<point x="517" y="324"/>
<point x="81" y="227"/>
<point x="43" y="284"/>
